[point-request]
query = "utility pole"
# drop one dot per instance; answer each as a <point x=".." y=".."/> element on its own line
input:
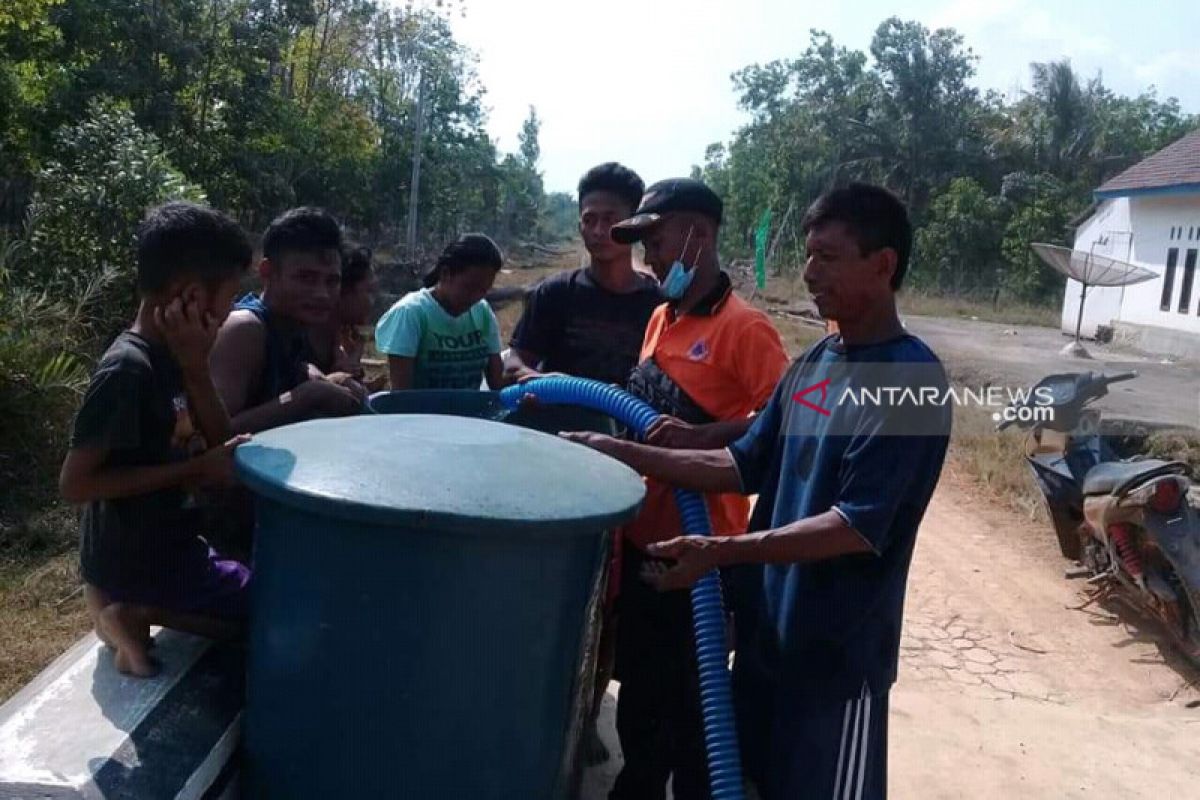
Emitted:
<point x="415" y="184"/>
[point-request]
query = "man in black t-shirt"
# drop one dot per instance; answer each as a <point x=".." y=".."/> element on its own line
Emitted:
<point x="589" y="322"/>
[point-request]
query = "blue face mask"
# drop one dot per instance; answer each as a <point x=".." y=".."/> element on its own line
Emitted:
<point x="680" y="277"/>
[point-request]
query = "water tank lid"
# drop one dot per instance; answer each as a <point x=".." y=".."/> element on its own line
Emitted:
<point x="439" y="472"/>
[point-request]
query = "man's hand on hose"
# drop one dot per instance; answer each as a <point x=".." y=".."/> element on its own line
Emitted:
<point x="597" y="441"/>
<point x="694" y="556"/>
<point x="530" y="400"/>
<point x="672" y="432"/>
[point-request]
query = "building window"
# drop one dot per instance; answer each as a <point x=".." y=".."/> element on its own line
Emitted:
<point x="1189" y="275"/>
<point x="1169" y="279"/>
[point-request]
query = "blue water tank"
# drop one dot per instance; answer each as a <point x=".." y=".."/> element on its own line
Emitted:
<point x="422" y="588"/>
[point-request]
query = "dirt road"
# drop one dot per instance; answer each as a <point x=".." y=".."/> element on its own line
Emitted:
<point x="1164" y="393"/>
<point x="1006" y="692"/>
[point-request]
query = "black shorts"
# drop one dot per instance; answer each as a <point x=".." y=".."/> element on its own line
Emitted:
<point x="836" y="751"/>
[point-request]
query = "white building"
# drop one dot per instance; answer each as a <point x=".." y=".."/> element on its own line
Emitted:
<point x="1148" y="215"/>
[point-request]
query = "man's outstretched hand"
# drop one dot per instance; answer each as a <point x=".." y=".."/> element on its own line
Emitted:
<point x="597" y="441"/>
<point x="694" y="556"/>
<point x="668" y="431"/>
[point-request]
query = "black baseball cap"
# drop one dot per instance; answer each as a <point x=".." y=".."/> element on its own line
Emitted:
<point x="665" y="197"/>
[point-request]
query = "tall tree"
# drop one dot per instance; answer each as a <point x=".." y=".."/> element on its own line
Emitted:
<point x="926" y="129"/>
<point x="521" y="183"/>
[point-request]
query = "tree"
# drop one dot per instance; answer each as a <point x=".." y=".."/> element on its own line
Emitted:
<point x="530" y="150"/>
<point x="1041" y="209"/>
<point x="925" y="132"/>
<point x="560" y="217"/>
<point x="905" y="115"/>
<point x="958" y="249"/>
<point x="87" y="205"/>
<point x="27" y="40"/>
<point x="521" y="184"/>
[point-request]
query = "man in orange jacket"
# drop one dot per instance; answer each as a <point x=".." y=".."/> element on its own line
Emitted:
<point x="708" y="363"/>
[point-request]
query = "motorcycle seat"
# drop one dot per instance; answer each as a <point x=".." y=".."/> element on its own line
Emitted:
<point x="1117" y="477"/>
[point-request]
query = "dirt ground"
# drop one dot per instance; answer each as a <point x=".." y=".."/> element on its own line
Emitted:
<point x="1163" y="393"/>
<point x="1005" y="691"/>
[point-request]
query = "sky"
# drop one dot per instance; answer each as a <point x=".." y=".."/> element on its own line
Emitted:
<point x="647" y="82"/>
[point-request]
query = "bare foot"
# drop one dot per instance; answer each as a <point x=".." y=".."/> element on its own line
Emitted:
<point x="129" y="664"/>
<point x="125" y="628"/>
<point x="107" y="640"/>
<point x="97" y="601"/>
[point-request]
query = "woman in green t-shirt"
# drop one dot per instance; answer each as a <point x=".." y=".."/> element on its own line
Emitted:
<point x="445" y="335"/>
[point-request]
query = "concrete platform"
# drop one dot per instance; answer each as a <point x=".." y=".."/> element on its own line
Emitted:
<point x="82" y="730"/>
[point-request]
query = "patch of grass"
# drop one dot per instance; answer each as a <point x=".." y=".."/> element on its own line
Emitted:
<point x="995" y="462"/>
<point x="1176" y="445"/>
<point x="38" y="527"/>
<point x="42" y="614"/>
<point x="41" y="604"/>
<point x="797" y="335"/>
<point x="930" y="305"/>
<point x="787" y="290"/>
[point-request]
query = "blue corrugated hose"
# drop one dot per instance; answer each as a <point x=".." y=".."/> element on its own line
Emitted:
<point x="708" y="620"/>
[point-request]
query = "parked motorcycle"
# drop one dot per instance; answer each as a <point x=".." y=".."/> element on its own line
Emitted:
<point x="1129" y="523"/>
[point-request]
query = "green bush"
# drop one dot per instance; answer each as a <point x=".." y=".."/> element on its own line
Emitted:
<point x="1043" y="208"/>
<point x="86" y="208"/>
<point x="45" y="356"/>
<point x="958" y="249"/>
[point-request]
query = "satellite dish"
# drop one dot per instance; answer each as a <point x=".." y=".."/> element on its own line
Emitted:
<point x="1090" y="270"/>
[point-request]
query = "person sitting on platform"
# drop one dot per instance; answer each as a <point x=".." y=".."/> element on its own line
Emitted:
<point x="150" y="432"/>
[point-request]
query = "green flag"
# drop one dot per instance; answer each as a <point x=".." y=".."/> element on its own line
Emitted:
<point x="760" y="249"/>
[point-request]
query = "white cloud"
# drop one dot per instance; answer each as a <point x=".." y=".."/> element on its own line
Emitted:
<point x="965" y="15"/>
<point x="1171" y="64"/>
<point x="645" y="82"/>
<point x="1008" y="22"/>
<point x="1008" y="35"/>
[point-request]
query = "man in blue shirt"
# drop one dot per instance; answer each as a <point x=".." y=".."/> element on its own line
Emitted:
<point x="844" y="459"/>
